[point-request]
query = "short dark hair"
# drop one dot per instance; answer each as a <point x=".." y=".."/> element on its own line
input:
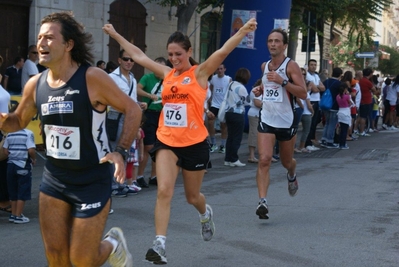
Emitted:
<point x="160" y="60"/>
<point x="100" y="62"/>
<point x="283" y="33"/>
<point x="337" y="72"/>
<point x="367" y="72"/>
<point x="72" y="30"/>
<point x="312" y="60"/>
<point x="17" y="59"/>
<point x="243" y="75"/>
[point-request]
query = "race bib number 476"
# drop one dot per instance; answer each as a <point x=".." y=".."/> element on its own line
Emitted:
<point x="62" y="142"/>
<point x="175" y="115"/>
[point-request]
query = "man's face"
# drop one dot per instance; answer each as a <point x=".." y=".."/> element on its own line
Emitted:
<point x="275" y="44"/>
<point x="126" y="62"/>
<point x="312" y="66"/>
<point x="33" y="55"/>
<point x="51" y="44"/>
<point x="221" y="70"/>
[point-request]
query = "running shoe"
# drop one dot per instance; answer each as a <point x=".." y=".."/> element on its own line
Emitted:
<point x="119" y="192"/>
<point x="364" y="134"/>
<point x="292" y="186"/>
<point x="20" y="219"/>
<point x="262" y="210"/>
<point x="11" y="218"/>
<point x="222" y="149"/>
<point x="156" y="254"/>
<point x="237" y="163"/>
<point x="131" y="190"/>
<point x="153" y="181"/>
<point x="384" y="126"/>
<point x="136" y="186"/>
<point x="214" y="148"/>
<point x="141" y="182"/>
<point x="121" y="255"/>
<point x="207" y="225"/>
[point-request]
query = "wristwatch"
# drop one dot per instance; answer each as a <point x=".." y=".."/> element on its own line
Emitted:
<point x="124" y="152"/>
<point x="285" y="82"/>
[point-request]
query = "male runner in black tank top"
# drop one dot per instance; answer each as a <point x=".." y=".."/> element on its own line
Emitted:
<point x="71" y="98"/>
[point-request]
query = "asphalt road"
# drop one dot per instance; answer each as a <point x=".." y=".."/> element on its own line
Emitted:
<point x="346" y="213"/>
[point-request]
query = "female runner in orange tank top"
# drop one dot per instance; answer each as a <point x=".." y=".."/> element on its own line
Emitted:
<point x="181" y="134"/>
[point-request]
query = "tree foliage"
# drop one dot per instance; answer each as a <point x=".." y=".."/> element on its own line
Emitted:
<point x="389" y="66"/>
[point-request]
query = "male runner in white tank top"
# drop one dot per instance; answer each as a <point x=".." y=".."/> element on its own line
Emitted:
<point x="282" y="79"/>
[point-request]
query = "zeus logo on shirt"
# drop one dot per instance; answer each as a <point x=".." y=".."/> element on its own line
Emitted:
<point x="57" y="108"/>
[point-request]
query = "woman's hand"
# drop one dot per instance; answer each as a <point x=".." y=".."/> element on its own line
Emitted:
<point x="109" y="29"/>
<point x="250" y="26"/>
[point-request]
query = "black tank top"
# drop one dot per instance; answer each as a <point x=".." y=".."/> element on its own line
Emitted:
<point x="73" y="131"/>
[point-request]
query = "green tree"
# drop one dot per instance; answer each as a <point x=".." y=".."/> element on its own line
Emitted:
<point x="353" y="15"/>
<point x="389" y="66"/>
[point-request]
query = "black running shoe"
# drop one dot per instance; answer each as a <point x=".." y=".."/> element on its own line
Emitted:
<point x="156" y="254"/>
<point x="153" y="181"/>
<point x="141" y="182"/>
<point x="262" y="211"/>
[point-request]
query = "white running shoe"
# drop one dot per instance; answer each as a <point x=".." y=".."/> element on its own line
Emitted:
<point x="312" y="148"/>
<point x="207" y="225"/>
<point x="238" y="163"/>
<point x="121" y="256"/>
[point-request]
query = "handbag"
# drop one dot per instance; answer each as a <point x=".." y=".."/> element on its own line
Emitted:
<point x="112" y="124"/>
<point x="3" y="155"/>
<point x="224" y="106"/>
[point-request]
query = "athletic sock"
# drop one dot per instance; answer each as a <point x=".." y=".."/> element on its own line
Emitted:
<point x="204" y="216"/>
<point x="223" y="142"/>
<point x="162" y="239"/>
<point x="263" y="200"/>
<point x="291" y="179"/>
<point x="113" y="242"/>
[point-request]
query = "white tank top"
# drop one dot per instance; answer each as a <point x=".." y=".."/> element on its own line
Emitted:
<point x="219" y="89"/>
<point x="277" y="108"/>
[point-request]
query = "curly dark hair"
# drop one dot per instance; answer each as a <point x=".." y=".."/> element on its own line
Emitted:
<point x="73" y="30"/>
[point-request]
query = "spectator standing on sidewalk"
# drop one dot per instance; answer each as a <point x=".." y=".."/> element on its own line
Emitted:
<point x="344" y="113"/>
<point x="282" y="79"/>
<point x="21" y="149"/>
<point x="235" y="117"/>
<point x="366" y="103"/>
<point x="150" y="89"/>
<point x="333" y="83"/>
<point x="315" y="94"/>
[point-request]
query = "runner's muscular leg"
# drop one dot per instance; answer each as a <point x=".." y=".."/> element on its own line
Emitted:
<point x="165" y="161"/>
<point x="55" y="225"/>
<point x="192" y="185"/>
<point x="87" y="249"/>
<point x="287" y="154"/>
<point x="265" y="149"/>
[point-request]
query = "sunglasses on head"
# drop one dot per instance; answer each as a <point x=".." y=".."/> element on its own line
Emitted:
<point x="127" y="59"/>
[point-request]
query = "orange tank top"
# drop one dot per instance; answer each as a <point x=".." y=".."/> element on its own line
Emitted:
<point x="181" y="121"/>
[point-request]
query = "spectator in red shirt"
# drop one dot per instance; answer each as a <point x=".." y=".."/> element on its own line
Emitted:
<point x="367" y="89"/>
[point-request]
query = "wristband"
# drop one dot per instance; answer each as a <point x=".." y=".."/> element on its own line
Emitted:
<point x="124" y="152"/>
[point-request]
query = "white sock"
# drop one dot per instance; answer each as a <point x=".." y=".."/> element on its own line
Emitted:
<point x="204" y="216"/>
<point x="162" y="239"/>
<point x="263" y="200"/>
<point x="113" y="242"/>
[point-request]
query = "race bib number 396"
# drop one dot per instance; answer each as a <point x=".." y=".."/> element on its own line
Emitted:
<point x="62" y="142"/>
<point x="175" y="115"/>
